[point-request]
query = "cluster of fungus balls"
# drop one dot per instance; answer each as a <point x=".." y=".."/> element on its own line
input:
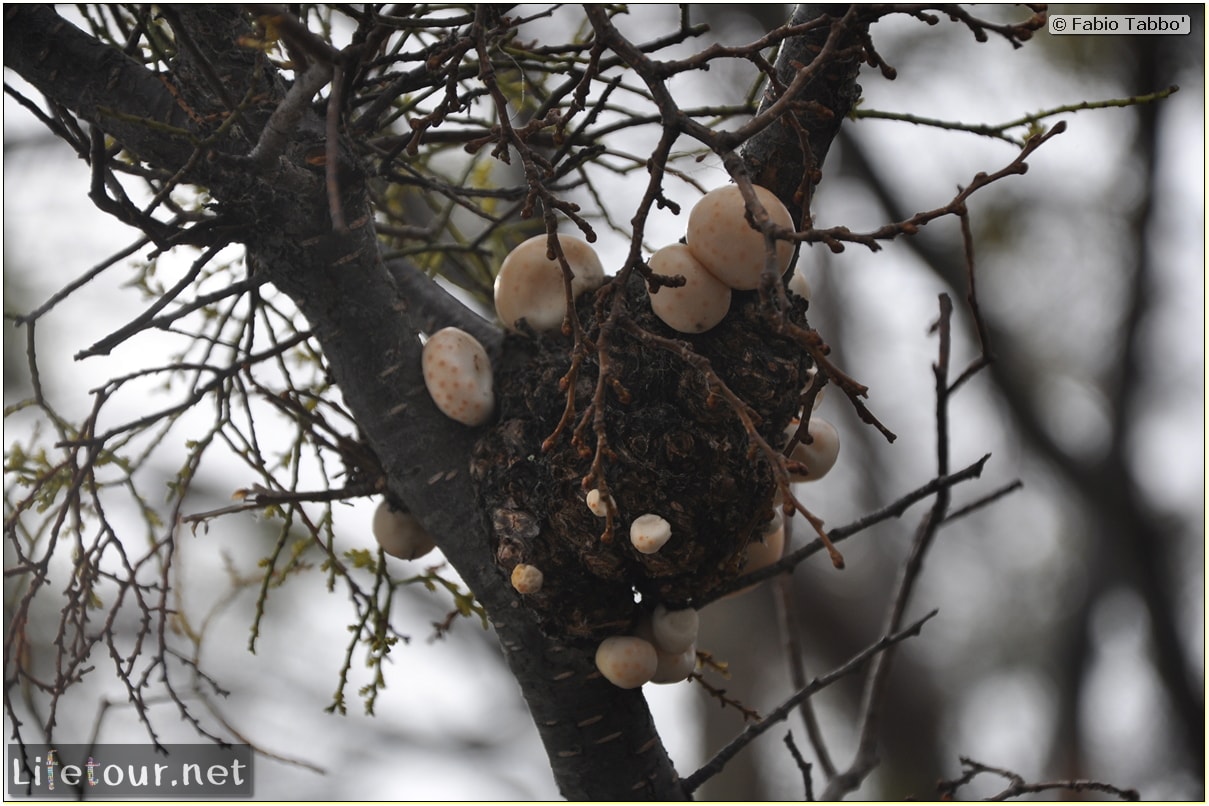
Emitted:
<point x="659" y="455"/>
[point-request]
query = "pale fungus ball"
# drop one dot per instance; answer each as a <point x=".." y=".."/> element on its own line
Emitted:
<point x="722" y="240"/>
<point x="597" y="503"/>
<point x="527" y="578"/>
<point x="674" y="631"/>
<point x="769" y="548"/>
<point x="799" y="285"/>
<point x="530" y="285"/>
<point x="457" y="374"/>
<point x="627" y="661"/>
<point x="399" y="533"/>
<point x="648" y="533"/>
<point x="820" y="454"/>
<point x="765" y="551"/>
<point x="696" y="306"/>
<point x="818" y="397"/>
<point x="672" y="667"/>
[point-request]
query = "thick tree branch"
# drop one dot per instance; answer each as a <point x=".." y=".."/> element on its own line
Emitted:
<point x="97" y="82"/>
<point x="591" y="729"/>
<point x="787" y="157"/>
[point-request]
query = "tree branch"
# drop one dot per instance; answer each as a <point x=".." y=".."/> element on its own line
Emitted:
<point x="77" y="71"/>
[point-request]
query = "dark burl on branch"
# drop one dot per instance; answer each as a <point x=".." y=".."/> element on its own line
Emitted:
<point x="675" y="448"/>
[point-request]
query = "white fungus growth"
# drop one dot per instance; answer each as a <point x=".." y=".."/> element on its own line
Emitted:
<point x="399" y="533"/>
<point x="627" y="661"/>
<point x="530" y="285"/>
<point x="722" y="240"/>
<point x="765" y="551"/>
<point x="820" y="454"/>
<point x="648" y="533"/>
<point x="674" y="631"/>
<point x="698" y="305"/>
<point x="527" y="578"/>
<point x="799" y="285"/>
<point x="769" y="548"/>
<point x="457" y="374"/>
<point x="672" y="667"/>
<point x="597" y="503"/>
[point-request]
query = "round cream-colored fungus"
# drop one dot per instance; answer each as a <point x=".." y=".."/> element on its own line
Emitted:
<point x="696" y="306"/>
<point x="457" y="374"/>
<point x="676" y="659"/>
<point x="799" y="285"/>
<point x="527" y="578"/>
<point x="820" y="454"/>
<point x="672" y="667"/>
<point x="674" y="631"/>
<point x="626" y="661"/>
<point x="399" y="533"/>
<point x="597" y="503"/>
<point x="530" y="286"/>
<point x="723" y="241"/>
<point x="648" y="533"/>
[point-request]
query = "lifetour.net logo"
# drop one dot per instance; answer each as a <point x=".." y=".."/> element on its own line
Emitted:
<point x="106" y="771"/>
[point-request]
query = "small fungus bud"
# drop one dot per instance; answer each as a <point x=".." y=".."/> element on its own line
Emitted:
<point x="698" y="305"/>
<point x="597" y="503"/>
<point x="626" y="661"/>
<point x="722" y="240"/>
<point x="648" y="533"/>
<point x="820" y="454"/>
<point x="530" y="285"/>
<point x="527" y="579"/>
<point x="399" y="533"/>
<point x="457" y="374"/>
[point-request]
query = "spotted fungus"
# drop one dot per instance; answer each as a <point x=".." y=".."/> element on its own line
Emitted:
<point x="527" y="579"/>
<point x="598" y="503"/>
<point x="457" y="374"/>
<point x="530" y="285"/>
<point x="648" y="533"/>
<point x="696" y="306"/>
<point x="726" y="244"/>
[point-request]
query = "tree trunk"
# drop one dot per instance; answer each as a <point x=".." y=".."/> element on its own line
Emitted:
<point x="601" y="740"/>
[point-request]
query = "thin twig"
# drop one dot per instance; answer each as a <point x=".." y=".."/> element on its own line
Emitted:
<point x="715" y="764"/>
<point x="841" y="533"/>
<point x="791" y="631"/>
<point x="803" y="765"/>
<point x="1018" y="786"/>
<point x="872" y="696"/>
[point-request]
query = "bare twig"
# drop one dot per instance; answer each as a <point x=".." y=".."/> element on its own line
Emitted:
<point x="803" y="765"/>
<point x="875" y="683"/>
<point x="791" y="631"/>
<point x="715" y="764"/>
<point x="1018" y="786"/>
<point x="1000" y="130"/>
<point x="841" y="533"/>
